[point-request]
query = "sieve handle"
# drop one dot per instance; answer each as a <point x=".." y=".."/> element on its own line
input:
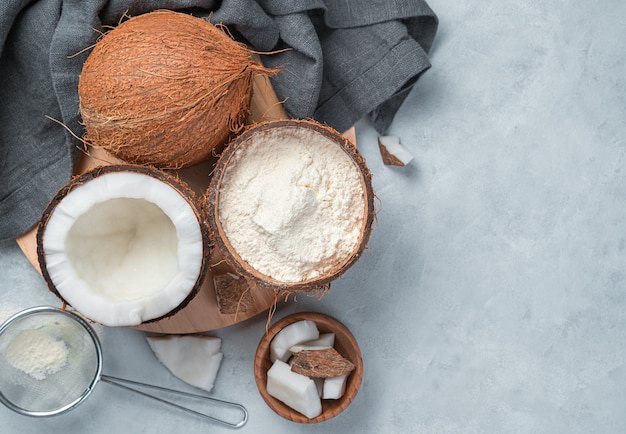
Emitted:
<point x="124" y="384"/>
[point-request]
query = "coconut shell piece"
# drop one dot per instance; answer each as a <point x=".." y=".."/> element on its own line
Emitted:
<point x="233" y="293"/>
<point x="326" y="363"/>
<point x="392" y="151"/>
<point x="321" y="283"/>
<point x="388" y="158"/>
<point x="166" y="89"/>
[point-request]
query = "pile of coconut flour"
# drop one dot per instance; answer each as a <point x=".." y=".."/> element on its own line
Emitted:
<point x="37" y="354"/>
<point x="292" y="206"/>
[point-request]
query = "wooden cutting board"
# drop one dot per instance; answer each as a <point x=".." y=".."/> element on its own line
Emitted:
<point x="202" y="313"/>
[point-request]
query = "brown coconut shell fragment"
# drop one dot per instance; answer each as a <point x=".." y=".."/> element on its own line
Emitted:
<point x="392" y="151"/>
<point x="388" y="158"/>
<point x="166" y="89"/>
<point x="326" y="363"/>
<point x="233" y="293"/>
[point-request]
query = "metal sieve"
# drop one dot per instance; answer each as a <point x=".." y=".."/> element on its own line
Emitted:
<point x="51" y="360"/>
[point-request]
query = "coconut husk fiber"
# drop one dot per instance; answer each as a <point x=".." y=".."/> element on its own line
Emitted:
<point x="166" y="89"/>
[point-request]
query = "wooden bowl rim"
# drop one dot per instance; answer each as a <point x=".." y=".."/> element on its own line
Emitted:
<point x="325" y="323"/>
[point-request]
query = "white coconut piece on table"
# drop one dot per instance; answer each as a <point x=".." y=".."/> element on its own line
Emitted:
<point x="293" y="334"/>
<point x="294" y="390"/>
<point x="334" y="387"/>
<point x="195" y="359"/>
<point x="393" y="152"/>
<point x="123" y="245"/>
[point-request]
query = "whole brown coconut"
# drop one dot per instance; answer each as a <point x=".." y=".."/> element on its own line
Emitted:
<point x="166" y="89"/>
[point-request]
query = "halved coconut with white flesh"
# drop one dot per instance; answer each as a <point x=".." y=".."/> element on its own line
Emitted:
<point x="124" y="245"/>
<point x="290" y="205"/>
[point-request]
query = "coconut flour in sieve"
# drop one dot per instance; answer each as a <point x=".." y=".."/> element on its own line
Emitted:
<point x="36" y="353"/>
<point x="292" y="204"/>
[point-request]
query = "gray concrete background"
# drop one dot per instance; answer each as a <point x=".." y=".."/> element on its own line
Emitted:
<point x="492" y="296"/>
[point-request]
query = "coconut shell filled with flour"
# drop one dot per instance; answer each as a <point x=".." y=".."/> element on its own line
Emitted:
<point x="124" y="245"/>
<point x="290" y="205"/>
<point x="166" y="89"/>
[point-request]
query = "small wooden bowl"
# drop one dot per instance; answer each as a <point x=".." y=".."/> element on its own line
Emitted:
<point x="345" y="344"/>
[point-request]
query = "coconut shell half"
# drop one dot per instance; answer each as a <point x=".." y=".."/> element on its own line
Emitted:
<point x="264" y="132"/>
<point x="136" y="224"/>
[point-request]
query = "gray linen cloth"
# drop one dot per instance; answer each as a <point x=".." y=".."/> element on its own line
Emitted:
<point x="348" y="59"/>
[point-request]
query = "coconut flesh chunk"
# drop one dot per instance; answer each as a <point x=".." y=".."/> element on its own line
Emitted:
<point x="293" y="334"/>
<point x="295" y="390"/>
<point x="194" y="359"/>
<point x="334" y="387"/>
<point x="123" y="248"/>
<point x="393" y="152"/>
<point x="325" y="341"/>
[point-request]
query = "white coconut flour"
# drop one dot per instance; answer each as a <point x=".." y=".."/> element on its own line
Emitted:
<point x="36" y="353"/>
<point x="292" y="204"/>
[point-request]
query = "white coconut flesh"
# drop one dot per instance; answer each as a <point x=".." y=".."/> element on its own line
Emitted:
<point x="195" y="359"/>
<point x="123" y="248"/>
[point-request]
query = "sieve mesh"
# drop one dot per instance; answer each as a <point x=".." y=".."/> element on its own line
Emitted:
<point x="49" y="361"/>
